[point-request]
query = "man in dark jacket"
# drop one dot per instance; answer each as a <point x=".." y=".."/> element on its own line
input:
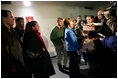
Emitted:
<point x="104" y="29"/>
<point x="12" y="62"/>
<point x="19" y="27"/>
<point x="110" y="42"/>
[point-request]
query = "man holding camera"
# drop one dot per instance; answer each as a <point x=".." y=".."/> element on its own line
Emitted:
<point x="104" y="29"/>
<point x="111" y="20"/>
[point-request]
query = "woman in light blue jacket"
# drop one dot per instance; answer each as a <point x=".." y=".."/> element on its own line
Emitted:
<point x="72" y="47"/>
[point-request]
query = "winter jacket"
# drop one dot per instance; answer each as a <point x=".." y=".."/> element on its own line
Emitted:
<point x="36" y="57"/>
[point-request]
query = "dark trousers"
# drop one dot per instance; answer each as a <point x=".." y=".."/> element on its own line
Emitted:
<point x="73" y="64"/>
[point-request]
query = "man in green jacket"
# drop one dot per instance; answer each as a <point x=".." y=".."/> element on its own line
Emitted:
<point x="57" y="37"/>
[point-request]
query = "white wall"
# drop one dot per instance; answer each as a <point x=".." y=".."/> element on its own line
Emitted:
<point x="46" y="14"/>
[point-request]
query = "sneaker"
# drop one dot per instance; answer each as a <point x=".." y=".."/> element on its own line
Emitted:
<point x="82" y="61"/>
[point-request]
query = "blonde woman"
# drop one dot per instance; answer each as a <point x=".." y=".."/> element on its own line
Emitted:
<point x="72" y="47"/>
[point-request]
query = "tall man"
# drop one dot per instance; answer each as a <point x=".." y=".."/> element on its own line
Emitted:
<point x="12" y="62"/>
<point x="57" y="37"/>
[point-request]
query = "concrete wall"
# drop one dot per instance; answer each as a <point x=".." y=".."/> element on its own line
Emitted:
<point x="46" y="13"/>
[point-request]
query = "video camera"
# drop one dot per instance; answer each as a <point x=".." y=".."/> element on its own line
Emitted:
<point x="111" y="11"/>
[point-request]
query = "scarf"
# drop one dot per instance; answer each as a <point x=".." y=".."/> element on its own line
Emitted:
<point x="38" y="34"/>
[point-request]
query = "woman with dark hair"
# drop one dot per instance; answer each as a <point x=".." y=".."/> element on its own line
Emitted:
<point x="72" y="47"/>
<point x="36" y="55"/>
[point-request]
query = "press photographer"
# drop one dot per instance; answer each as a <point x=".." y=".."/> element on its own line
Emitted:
<point x="111" y="17"/>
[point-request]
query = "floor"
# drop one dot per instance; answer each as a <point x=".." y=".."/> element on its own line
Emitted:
<point x="59" y="74"/>
<point x="85" y="72"/>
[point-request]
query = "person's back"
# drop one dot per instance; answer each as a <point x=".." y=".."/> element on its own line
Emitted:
<point x="111" y="22"/>
<point x="110" y="15"/>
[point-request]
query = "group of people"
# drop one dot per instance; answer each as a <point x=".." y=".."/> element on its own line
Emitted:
<point x="23" y="52"/>
<point x="91" y="41"/>
<point x="66" y="44"/>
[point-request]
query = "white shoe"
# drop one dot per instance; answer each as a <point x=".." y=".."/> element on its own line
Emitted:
<point x="82" y="61"/>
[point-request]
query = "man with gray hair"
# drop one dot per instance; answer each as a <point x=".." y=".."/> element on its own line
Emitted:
<point x="57" y="37"/>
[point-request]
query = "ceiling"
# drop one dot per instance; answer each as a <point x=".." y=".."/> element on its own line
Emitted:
<point x="75" y="3"/>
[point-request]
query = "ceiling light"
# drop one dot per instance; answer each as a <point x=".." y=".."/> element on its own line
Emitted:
<point x="27" y="3"/>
